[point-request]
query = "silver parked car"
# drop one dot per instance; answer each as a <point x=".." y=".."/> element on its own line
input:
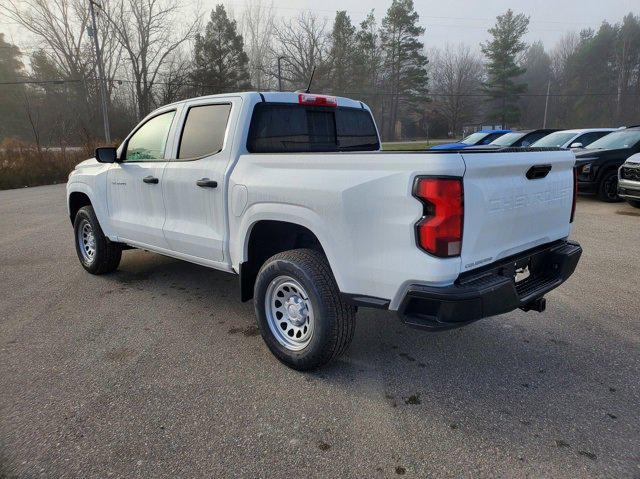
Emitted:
<point x="573" y="138"/>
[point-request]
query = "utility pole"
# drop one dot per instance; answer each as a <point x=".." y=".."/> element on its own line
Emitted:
<point x="102" y="80"/>
<point x="280" y="73"/>
<point x="546" y="105"/>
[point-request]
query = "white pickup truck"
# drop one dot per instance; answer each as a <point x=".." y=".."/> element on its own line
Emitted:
<point x="290" y="192"/>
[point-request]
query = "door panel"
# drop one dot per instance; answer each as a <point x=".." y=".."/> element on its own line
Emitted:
<point x="195" y="221"/>
<point x="136" y="208"/>
<point x="134" y="186"/>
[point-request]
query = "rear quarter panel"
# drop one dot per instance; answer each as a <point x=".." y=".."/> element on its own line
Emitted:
<point x="359" y="205"/>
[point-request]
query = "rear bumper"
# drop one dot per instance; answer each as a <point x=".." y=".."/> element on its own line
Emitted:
<point x="491" y="290"/>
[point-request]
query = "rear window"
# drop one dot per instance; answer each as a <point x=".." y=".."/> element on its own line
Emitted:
<point x="284" y="128"/>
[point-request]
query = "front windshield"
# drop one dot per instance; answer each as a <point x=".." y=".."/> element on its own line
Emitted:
<point x="508" y="139"/>
<point x="473" y="138"/>
<point x="617" y="139"/>
<point x="556" y="139"/>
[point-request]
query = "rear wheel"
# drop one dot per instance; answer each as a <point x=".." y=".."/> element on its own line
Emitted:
<point x="608" y="188"/>
<point x="634" y="203"/>
<point x="301" y="316"/>
<point x="96" y="253"/>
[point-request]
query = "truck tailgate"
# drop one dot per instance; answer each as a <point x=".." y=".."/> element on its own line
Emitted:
<point x="506" y="212"/>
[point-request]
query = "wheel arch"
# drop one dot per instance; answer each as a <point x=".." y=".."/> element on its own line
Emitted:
<point x="267" y="237"/>
<point x="77" y="200"/>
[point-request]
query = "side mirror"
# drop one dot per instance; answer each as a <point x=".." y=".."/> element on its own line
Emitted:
<point x="106" y="154"/>
<point x="576" y="145"/>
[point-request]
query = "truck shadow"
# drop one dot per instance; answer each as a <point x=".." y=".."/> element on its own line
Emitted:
<point x="514" y="377"/>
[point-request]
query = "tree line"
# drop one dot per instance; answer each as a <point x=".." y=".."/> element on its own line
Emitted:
<point x="155" y="53"/>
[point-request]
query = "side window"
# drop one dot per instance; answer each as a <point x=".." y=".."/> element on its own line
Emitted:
<point x="589" y="138"/>
<point x="148" y="143"/>
<point x="531" y="138"/>
<point x="204" y="129"/>
<point x="489" y="138"/>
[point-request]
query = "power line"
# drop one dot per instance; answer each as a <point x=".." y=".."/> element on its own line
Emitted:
<point x="434" y="94"/>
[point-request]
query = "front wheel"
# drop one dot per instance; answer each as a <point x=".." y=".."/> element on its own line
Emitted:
<point x="96" y="253"/>
<point x="301" y="316"/>
<point x="608" y="188"/>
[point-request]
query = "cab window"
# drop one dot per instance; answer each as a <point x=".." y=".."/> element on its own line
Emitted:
<point x="204" y="130"/>
<point x="149" y="141"/>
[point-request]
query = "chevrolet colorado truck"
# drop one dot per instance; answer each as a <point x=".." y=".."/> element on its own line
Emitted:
<point x="291" y="192"/>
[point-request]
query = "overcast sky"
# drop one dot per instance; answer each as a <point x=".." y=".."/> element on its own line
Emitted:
<point x="451" y="21"/>
<point x="467" y="21"/>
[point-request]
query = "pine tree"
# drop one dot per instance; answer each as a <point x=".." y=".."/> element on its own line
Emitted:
<point x="368" y="62"/>
<point x="405" y="73"/>
<point x="503" y="70"/>
<point x="220" y="63"/>
<point x="11" y="96"/>
<point x="342" y="54"/>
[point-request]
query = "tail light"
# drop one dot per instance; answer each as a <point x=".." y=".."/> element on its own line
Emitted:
<point x="575" y="194"/>
<point x="439" y="231"/>
<point x="317" y="100"/>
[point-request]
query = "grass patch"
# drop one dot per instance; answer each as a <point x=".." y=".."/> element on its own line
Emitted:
<point x="412" y="145"/>
<point x="24" y="165"/>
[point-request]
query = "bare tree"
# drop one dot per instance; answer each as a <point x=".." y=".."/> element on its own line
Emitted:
<point x="302" y="42"/>
<point x="143" y="28"/>
<point x="257" y="27"/>
<point x="562" y="108"/>
<point x="33" y="117"/>
<point x="175" y="78"/>
<point x="456" y="76"/>
<point x="62" y="32"/>
<point x="563" y="50"/>
<point x="60" y="27"/>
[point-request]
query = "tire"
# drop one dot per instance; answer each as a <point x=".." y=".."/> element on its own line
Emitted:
<point x="608" y="187"/>
<point x="96" y="253"/>
<point x="318" y="326"/>
<point x="634" y="203"/>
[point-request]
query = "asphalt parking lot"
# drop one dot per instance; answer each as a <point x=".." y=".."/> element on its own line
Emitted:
<point x="158" y="371"/>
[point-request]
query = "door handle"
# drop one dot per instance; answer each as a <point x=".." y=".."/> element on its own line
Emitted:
<point x="207" y="183"/>
<point x="537" y="172"/>
<point x="151" y="180"/>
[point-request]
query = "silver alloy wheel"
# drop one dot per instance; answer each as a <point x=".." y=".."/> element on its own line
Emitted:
<point x="289" y="313"/>
<point x="86" y="241"/>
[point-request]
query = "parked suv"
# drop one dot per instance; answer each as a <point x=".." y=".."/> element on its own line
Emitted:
<point x="597" y="166"/>
<point x="629" y="180"/>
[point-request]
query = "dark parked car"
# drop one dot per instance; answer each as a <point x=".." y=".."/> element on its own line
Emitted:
<point x="597" y="166"/>
<point x="517" y="139"/>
